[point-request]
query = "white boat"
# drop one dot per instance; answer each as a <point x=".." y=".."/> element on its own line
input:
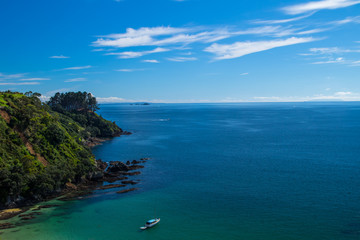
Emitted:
<point x="150" y="223"/>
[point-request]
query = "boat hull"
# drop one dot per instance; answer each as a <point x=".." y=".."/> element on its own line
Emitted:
<point x="151" y="224"/>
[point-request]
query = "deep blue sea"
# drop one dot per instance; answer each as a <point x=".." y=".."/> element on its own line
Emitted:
<point x="258" y="171"/>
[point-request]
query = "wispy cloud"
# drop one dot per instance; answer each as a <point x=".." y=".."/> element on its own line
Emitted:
<point x="133" y="54"/>
<point x="150" y="61"/>
<point x="182" y="59"/>
<point x="318" y="5"/>
<point x="18" y="83"/>
<point x="340" y="60"/>
<point x="130" y="70"/>
<point x="77" y="68"/>
<point x="331" y="55"/>
<point x="111" y="100"/>
<point x="336" y="96"/>
<point x="11" y="76"/>
<point x="331" y="50"/>
<point x="34" y="79"/>
<point x="59" y="57"/>
<point x="347" y="20"/>
<point x="169" y="36"/>
<point x="76" y="80"/>
<point x="239" y="49"/>
<point x="336" y="60"/>
<point x="52" y="92"/>
<point x="136" y="37"/>
<point x="281" y="21"/>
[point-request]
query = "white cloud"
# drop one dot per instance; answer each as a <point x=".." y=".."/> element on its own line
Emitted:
<point x="343" y="93"/>
<point x="167" y="36"/>
<point x="18" y="84"/>
<point x="44" y="98"/>
<point x="336" y="96"/>
<point x="77" y="68"/>
<point x="331" y="50"/>
<point x="243" y="74"/>
<point x="129" y="70"/>
<point x="347" y="20"/>
<point x="319" y="5"/>
<point x="150" y="61"/>
<point x="328" y="55"/>
<point x="50" y="93"/>
<point x="182" y="59"/>
<point x="34" y="79"/>
<point x="133" y="54"/>
<point x="239" y="49"/>
<point x="312" y="31"/>
<point x="136" y="37"/>
<point x="11" y="76"/>
<point x="76" y="80"/>
<point x="111" y="100"/>
<point x="59" y="57"/>
<point x="281" y="21"/>
<point x="336" y="60"/>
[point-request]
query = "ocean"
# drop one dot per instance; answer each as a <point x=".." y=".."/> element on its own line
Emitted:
<point x="251" y="171"/>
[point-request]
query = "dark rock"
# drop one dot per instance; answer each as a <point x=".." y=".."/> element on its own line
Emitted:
<point x="96" y="176"/>
<point x="111" y="174"/>
<point x="127" y="190"/>
<point x="32" y="214"/>
<point x="70" y="186"/>
<point x="132" y="173"/>
<point x="117" y="166"/>
<point x="135" y="162"/>
<point x="130" y="182"/>
<point x="46" y="206"/>
<point x="121" y="132"/>
<point x="134" y="167"/>
<point x="7" y="214"/>
<point x="101" y="165"/>
<point x="111" y="186"/>
<point x="27" y="218"/>
<point x="128" y="163"/>
<point x="6" y="225"/>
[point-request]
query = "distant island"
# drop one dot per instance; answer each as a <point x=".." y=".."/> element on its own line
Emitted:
<point x="45" y="147"/>
<point x="140" y="103"/>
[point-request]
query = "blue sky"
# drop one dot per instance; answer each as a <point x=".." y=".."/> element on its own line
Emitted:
<point x="183" y="51"/>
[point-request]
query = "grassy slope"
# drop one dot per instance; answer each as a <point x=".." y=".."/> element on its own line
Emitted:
<point x="59" y="154"/>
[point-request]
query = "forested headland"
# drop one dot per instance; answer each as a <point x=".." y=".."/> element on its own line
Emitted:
<point x="45" y="145"/>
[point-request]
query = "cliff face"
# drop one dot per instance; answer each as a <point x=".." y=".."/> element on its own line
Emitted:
<point x="41" y="150"/>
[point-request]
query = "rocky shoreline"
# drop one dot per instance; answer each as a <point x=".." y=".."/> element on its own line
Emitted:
<point x="94" y="141"/>
<point x="113" y="175"/>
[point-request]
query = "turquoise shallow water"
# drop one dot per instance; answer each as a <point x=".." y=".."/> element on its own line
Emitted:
<point x="224" y="171"/>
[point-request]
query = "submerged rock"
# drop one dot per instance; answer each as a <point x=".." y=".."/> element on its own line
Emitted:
<point x="127" y="190"/>
<point x="132" y="173"/>
<point x="6" y="225"/>
<point x="130" y="182"/>
<point x="109" y="186"/>
<point x="134" y="167"/>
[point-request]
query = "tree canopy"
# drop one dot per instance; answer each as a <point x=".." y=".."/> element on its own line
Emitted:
<point x="74" y="101"/>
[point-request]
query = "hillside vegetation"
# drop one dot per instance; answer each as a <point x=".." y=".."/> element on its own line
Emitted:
<point x="43" y="146"/>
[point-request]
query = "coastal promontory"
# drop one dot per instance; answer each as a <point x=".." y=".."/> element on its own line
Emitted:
<point x="45" y="146"/>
